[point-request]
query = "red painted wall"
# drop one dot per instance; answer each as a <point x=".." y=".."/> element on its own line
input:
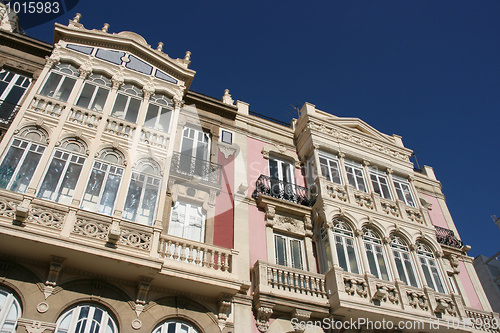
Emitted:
<point x="224" y="204"/>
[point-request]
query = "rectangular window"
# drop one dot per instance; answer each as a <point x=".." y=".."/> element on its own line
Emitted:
<point x="329" y="168"/>
<point x="355" y="175"/>
<point x="403" y="190"/>
<point x="19" y="164"/>
<point x="93" y="97"/>
<point x="380" y="184"/>
<point x="288" y="251"/>
<point x="187" y="221"/>
<point x="227" y="137"/>
<point x="58" y="86"/>
<point x="61" y="178"/>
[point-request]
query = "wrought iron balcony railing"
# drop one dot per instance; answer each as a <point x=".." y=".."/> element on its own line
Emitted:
<point x="282" y="190"/>
<point x="447" y="237"/>
<point x="7" y="111"/>
<point x="188" y="165"/>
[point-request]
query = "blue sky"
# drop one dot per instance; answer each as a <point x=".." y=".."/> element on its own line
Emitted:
<point x="426" y="70"/>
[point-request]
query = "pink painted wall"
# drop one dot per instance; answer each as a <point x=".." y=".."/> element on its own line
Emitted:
<point x="436" y="214"/>
<point x="469" y="287"/>
<point x="256" y="164"/>
<point x="257" y="229"/>
<point x="224" y="205"/>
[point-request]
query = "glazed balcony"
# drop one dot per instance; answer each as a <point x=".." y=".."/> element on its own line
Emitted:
<point x="447" y="237"/>
<point x="189" y="168"/>
<point x="281" y="190"/>
<point x="122" y="249"/>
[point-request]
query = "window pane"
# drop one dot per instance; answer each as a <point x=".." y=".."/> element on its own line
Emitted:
<point x="340" y="253"/>
<point x="93" y="189"/>
<point x="280" y="248"/>
<point x="411" y="273"/>
<point x="109" y="194"/>
<point x="296" y="249"/>
<point x="119" y="107"/>
<point x="164" y="123"/>
<point x="381" y="264"/>
<point x="437" y="279"/>
<point x="27" y="170"/>
<point x="51" y="179"/>
<point x="133" y="110"/>
<point x="427" y="273"/>
<point x="86" y="95"/>
<point x="100" y="99"/>
<point x="69" y="183"/>
<point x="51" y="85"/>
<point x="65" y="89"/>
<point x="9" y="165"/>
<point x="151" y="116"/>
<point x="371" y="260"/>
<point x="352" y="257"/>
<point x="133" y="198"/>
<point x="399" y="266"/>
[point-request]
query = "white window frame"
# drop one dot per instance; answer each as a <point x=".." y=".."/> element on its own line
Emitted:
<point x="28" y="148"/>
<point x="165" y="104"/>
<point x="376" y="177"/>
<point x="69" y="321"/>
<point x="342" y="235"/>
<point x="374" y="248"/>
<point x="190" y="133"/>
<point x="66" y="71"/>
<point x="24" y="84"/>
<point x="93" y="80"/>
<point x="10" y="312"/>
<point x="325" y="251"/>
<point x="428" y="261"/>
<point x="331" y="162"/>
<point x="288" y="255"/>
<point x="186" y="216"/>
<point x="351" y="168"/>
<point x="403" y="190"/>
<point x="180" y="327"/>
<point x="109" y="169"/>
<point x="69" y="157"/>
<point x="126" y="91"/>
<point x="400" y="249"/>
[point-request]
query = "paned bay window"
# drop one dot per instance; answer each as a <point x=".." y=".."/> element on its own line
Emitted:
<point x="430" y="268"/>
<point x="404" y="263"/>
<point x="63" y="172"/>
<point x="330" y="168"/>
<point x="159" y="113"/>
<point x="143" y="191"/>
<point x="187" y="220"/>
<point x="355" y="175"/>
<point x="94" y="92"/>
<point x="127" y="103"/>
<point x="60" y="83"/>
<point x="104" y="182"/>
<point x="345" y="246"/>
<point x="21" y="160"/>
<point x="380" y="183"/>
<point x="375" y="254"/>
<point x="403" y="190"/>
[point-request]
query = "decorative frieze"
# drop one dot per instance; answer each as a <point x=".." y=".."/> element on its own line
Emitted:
<point x="136" y="239"/>
<point x="98" y="230"/>
<point x="45" y="217"/>
<point x="355" y="286"/>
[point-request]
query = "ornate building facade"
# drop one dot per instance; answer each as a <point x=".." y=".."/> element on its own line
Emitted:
<point x="129" y="203"/>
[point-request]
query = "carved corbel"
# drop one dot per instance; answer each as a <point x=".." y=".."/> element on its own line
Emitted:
<point x="55" y="267"/>
<point x="224" y="305"/>
<point x="301" y="316"/>
<point x="263" y="315"/>
<point x="143" y="289"/>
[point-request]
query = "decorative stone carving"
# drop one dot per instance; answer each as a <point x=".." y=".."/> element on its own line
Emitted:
<point x="91" y="229"/>
<point x="7" y="208"/>
<point x="227" y="150"/>
<point x="227" y="99"/>
<point x="417" y="300"/>
<point x="337" y="191"/>
<point x="386" y="293"/>
<point x="143" y="289"/>
<point x="224" y="304"/>
<point x="289" y="224"/>
<point x="263" y="315"/>
<point x="135" y="239"/>
<point x="45" y="217"/>
<point x="365" y="200"/>
<point x="414" y="215"/>
<point x="390" y="208"/>
<point x="353" y="286"/>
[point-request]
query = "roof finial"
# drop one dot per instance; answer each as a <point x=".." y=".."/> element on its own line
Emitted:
<point x="188" y="56"/>
<point x="77" y="18"/>
<point x="160" y="46"/>
<point x="105" y="27"/>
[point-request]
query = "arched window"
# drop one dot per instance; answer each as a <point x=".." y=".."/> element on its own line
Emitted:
<point x="175" y="326"/>
<point x="104" y="182"/>
<point x="10" y="311"/>
<point x="375" y="254"/>
<point x="21" y="160"/>
<point x="86" y="318"/>
<point x="60" y="83"/>
<point x="94" y="92"/>
<point x="142" y="195"/>
<point x="63" y="172"/>
<point x="404" y="263"/>
<point x="430" y="268"/>
<point x="159" y="113"/>
<point x="127" y="103"/>
<point x="344" y="245"/>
